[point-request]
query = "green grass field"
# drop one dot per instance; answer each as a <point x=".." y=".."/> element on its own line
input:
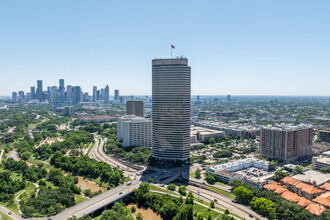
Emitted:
<point x="156" y="188"/>
<point x="5" y="217"/>
<point x="231" y="195"/>
<point x="206" y="211"/>
<point x="79" y="199"/>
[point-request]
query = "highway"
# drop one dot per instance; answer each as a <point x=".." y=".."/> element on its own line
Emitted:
<point x="97" y="202"/>
<point x="225" y="202"/>
<point x="98" y="153"/>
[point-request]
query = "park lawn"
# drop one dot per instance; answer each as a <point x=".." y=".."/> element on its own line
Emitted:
<point x="35" y="162"/>
<point x="5" y="217"/>
<point x="206" y="211"/>
<point x="30" y="189"/>
<point x="90" y="147"/>
<point x="309" y="166"/>
<point x="156" y="188"/>
<point x="231" y="195"/>
<point x="79" y="199"/>
<point x="221" y="184"/>
<point x="192" y="174"/>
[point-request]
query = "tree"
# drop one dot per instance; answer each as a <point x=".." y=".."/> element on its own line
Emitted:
<point x="133" y="209"/>
<point x="209" y="216"/>
<point x="139" y="216"/>
<point x="226" y="212"/>
<point x="182" y="190"/>
<point x="212" y="141"/>
<point x="264" y="206"/>
<point x="243" y="194"/>
<point x="210" y="179"/>
<point x="200" y="216"/>
<point x="279" y="175"/>
<point x="198" y="173"/>
<point x="212" y="204"/>
<point x="168" y="211"/>
<point x="325" y="169"/>
<point x="297" y="170"/>
<point x="171" y="187"/>
<point x="235" y="183"/>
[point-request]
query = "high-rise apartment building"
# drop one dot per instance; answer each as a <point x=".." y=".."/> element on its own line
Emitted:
<point x="135" y="107"/>
<point x="94" y="93"/>
<point x="286" y="143"/>
<point x="106" y="94"/>
<point x="116" y="94"/>
<point x="14" y="97"/>
<point x="171" y="97"/>
<point x="39" y="93"/>
<point x="134" y="131"/>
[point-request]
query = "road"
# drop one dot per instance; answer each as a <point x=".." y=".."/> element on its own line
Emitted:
<point x="1" y="154"/>
<point x="98" y="154"/>
<point x="225" y="202"/>
<point x="12" y="215"/>
<point x="97" y="202"/>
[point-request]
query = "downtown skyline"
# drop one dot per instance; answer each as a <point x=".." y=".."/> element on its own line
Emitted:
<point x="242" y="48"/>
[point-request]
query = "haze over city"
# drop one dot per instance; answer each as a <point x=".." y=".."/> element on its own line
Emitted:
<point x="238" y="48"/>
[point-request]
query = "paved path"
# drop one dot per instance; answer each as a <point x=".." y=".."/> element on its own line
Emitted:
<point x="1" y="154"/>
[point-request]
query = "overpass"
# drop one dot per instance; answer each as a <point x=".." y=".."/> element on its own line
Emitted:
<point x="93" y="204"/>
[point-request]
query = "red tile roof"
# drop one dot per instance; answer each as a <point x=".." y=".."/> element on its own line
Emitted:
<point x="315" y="209"/>
<point x="290" y="180"/>
<point x="310" y="189"/>
<point x="326" y="186"/>
<point x="288" y="195"/>
<point x="272" y="186"/>
<point x="323" y="199"/>
<point x="304" y="202"/>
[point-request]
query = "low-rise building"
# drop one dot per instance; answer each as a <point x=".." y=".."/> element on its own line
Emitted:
<point x="98" y="118"/>
<point x="199" y="134"/>
<point x="320" y="162"/>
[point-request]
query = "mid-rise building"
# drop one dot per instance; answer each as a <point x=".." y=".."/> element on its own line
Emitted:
<point x="134" y="107"/>
<point x="134" y="131"/>
<point x="286" y="143"/>
<point x="325" y="135"/>
<point x="171" y="103"/>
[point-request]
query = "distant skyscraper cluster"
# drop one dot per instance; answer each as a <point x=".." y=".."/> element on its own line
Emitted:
<point x="59" y="95"/>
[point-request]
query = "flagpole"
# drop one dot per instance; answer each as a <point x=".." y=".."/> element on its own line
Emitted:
<point x="171" y="51"/>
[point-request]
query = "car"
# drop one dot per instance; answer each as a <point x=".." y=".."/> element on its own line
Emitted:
<point x="162" y="185"/>
<point x="251" y="216"/>
<point x="215" y="200"/>
<point x="9" y="213"/>
<point x="129" y="183"/>
<point x="120" y="193"/>
<point x="204" y="183"/>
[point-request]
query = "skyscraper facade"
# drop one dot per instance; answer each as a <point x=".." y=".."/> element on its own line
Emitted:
<point x="171" y="100"/>
<point x="94" y="93"/>
<point x="14" y="97"/>
<point x="116" y="94"/>
<point x="39" y="93"/>
<point x="33" y="92"/>
<point x="135" y="107"/>
<point x="106" y="94"/>
<point x="69" y="95"/>
<point x="76" y="94"/>
<point x="61" y="89"/>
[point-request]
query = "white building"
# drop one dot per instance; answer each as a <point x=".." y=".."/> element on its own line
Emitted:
<point x="239" y="165"/>
<point x="134" y="131"/>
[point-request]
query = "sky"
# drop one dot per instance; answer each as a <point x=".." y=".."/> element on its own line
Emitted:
<point x="237" y="47"/>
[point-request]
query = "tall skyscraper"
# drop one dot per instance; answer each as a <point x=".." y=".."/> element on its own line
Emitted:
<point x="106" y="94"/>
<point x="61" y="89"/>
<point x="94" y="93"/>
<point x="76" y="94"/>
<point x="69" y="95"/>
<point x="39" y="93"/>
<point x="134" y="107"/>
<point x="102" y="94"/>
<point x="116" y="94"/>
<point x="14" y="97"/>
<point x="171" y="97"/>
<point x="286" y="143"/>
<point x="33" y="92"/>
<point x="21" y="96"/>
